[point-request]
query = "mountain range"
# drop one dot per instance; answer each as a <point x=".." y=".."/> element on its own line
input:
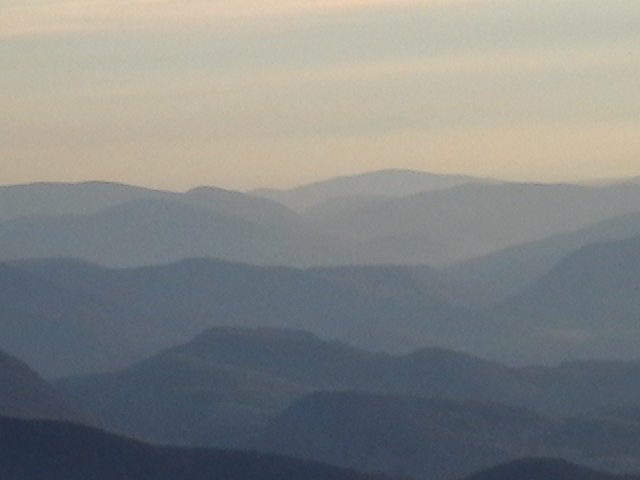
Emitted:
<point x="50" y="450"/>
<point x="507" y="272"/>
<point x="47" y="450"/>
<point x="52" y="199"/>
<point x="378" y="184"/>
<point x="226" y="386"/>
<point x="223" y="387"/>
<point x="56" y="329"/>
<point x="543" y="469"/>
<point x="476" y="219"/>
<point x="588" y="301"/>
<point x="119" y="225"/>
<point x="55" y="312"/>
<point x="442" y="439"/>
<point x="145" y="309"/>
<point x="263" y="389"/>
<point x="396" y="322"/>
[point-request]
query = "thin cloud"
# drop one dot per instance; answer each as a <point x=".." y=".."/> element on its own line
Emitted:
<point x="85" y="16"/>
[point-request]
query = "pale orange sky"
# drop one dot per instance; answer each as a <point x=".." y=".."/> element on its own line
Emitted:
<point x="241" y="94"/>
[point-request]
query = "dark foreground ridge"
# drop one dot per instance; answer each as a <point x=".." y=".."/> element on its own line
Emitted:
<point x="543" y="469"/>
<point x="24" y="394"/>
<point x="47" y="450"/>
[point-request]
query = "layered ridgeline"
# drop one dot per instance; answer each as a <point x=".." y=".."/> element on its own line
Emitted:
<point x="366" y="186"/>
<point x="58" y="329"/>
<point x="50" y="450"/>
<point x="507" y="272"/>
<point x="153" y="231"/>
<point x="225" y="387"/>
<point x="47" y="450"/>
<point x="467" y="221"/>
<point x="24" y="394"/>
<point x="129" y="226"/>
<point x="66" y="317"/>
<point x="544" y="469"/>
<point x="121" y="225"/>
<point x="56" y="199"/>
<point x="589" y="302"/>
<point x="444" y="439"/>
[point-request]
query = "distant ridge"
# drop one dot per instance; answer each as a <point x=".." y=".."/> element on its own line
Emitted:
<point x="474" y="219"/>
<point x="507" y="272"/>
<point x="379" y="218"/>
<point x="38" y="199"/>
<point x="592" y="293"/>
<point x="145" y="232"/>
<point x="44" y="199"/>
<point x="383" y="183"/>
<point x="136" y="310"/>
<point x="56" y="329"/>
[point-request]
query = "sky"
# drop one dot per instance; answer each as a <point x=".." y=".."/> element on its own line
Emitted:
<point x="248" y="93"/>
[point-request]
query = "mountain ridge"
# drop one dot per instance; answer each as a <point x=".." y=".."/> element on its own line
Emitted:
<point x="63" y="451"/>
<point x="385" y="183"/>
<point x="24" y="394"/>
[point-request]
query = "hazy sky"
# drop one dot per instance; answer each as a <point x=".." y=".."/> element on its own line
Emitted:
<point x="241" y="93"/>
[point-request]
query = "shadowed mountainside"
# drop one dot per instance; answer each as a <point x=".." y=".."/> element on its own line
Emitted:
<point x="441" y="439"/>
<point x="24" y="394"/>
<point x="46" y="450"/>
<point x="543" y="469"/>
<point x="387" y="308"/>
<point x="223" y="387"/>
<point x="589" y="299"/>
<point x="107" y="318"/>
<point x="57" y="329"/>
<point x="506" y="273"/>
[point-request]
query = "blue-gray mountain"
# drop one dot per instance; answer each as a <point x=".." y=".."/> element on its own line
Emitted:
<point x="544" y="469"/>
<point x="70" y="317"/>
<point x="434" y="227"/>
<point x="43" y="199"/>
<point x="476" y="219"/>
<point x="443" y="439"/>
<point x="589" y="302"/>
<point x="506" y="273"/>
<point x="24" y="394"/>
<point x="58" y="329"/>
<point x="47" y="450"/>
<point x="381" y="184"/>
<point x="233" y="387"/>
<point x="224" y="387"/>
<point x="430" y="412"/>
<point x="154" y="231"/>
